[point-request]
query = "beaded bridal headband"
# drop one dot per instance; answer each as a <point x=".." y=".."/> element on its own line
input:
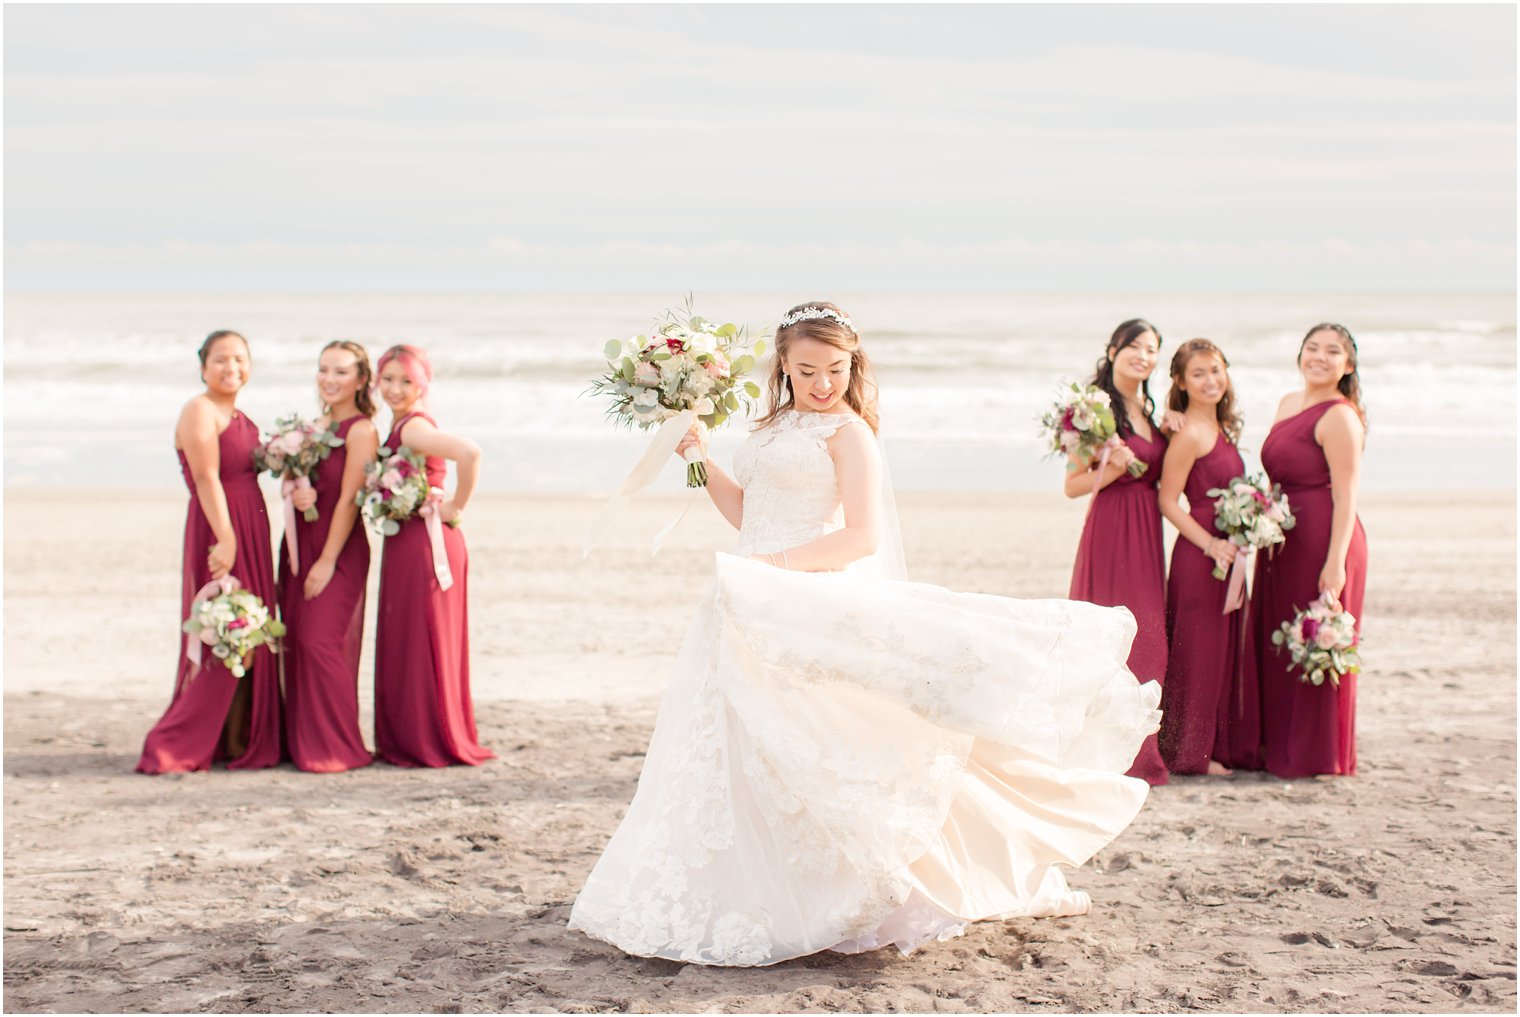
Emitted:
<point x="813" y="313"/>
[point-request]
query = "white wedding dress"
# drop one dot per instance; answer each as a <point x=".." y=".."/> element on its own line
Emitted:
<point x="842" y="762"/>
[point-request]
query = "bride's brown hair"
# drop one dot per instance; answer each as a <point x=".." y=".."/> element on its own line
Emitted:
<point x="1230" y="420"/>
<point x="831" y="327"/>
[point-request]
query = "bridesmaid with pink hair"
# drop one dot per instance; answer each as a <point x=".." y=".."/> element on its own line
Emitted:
<point x="1209" y="699"/>
<point x="423" y="712"/>
<point x="322" y="605"/>
<point x="1121" y="560"/>
<point x="1314" y="451"/>
<point x="214" y="716"/>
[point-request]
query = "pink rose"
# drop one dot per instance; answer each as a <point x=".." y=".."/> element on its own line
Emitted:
<point x="1326" y="638"/>
<point x="238" y="623"/>
<point x="291" y="442"/>
<point x="390" y="479"/>
<point x="718" y="366"/>
<point x="208" y="635"/>
<point x="647" y="373"/>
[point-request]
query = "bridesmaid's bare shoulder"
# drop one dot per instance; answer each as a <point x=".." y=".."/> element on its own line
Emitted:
<point x="197" y="415"/>
<point x="1195" y="437"/>
<point x="364" y="427"/>
<point x="1289" y="405"/>
<point x="1340" y="420"/>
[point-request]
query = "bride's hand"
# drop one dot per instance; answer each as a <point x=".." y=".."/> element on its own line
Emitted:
<point x="696" y="435"/>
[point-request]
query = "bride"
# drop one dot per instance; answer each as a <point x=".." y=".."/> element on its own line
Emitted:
<point x="841" y="760"/>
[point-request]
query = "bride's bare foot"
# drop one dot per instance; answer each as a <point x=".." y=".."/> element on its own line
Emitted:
<point x="1219" y="769"/>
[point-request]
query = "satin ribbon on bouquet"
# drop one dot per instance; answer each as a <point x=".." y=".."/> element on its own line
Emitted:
<point x="1235" y="595"/>
<point x="215" y="588"/>
<point x="432" y="515"/>
<point x="644" y="471"/>
<point x="288" y="487"/>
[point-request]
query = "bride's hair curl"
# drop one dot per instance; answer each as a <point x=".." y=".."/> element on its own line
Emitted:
<point x="823" y="321"/>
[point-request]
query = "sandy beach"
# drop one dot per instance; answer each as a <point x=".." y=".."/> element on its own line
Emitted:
<point x="448" y="890"/>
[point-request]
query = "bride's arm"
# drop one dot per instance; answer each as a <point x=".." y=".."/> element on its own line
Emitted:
<point x="724" y="490"/>
<point x="857" y="467"/>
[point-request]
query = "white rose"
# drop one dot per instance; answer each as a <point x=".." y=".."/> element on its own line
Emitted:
<point x="645" y="399"/>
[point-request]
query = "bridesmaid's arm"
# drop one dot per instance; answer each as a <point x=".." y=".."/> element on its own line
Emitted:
<point x="1181" y="454"/>
<point x="362" y="443"/>
<point x="425" y="439"/>
<point x="1079" y="471"/>
<point x="196" y="435"/>
<point x="724" y="490"/>
<point x="1340" y="434"/>
<point x="857" y="468"/>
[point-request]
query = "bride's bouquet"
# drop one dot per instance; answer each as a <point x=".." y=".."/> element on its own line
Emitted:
<point x="685" y="363"/>
<point x="233" y="623"/>
<point x="395" y="489"/>
<point x="1251" y="514"/>
<point x="292" y="451"/>
<point x="1321" y="642"/>
<point x="1081" y="425"/>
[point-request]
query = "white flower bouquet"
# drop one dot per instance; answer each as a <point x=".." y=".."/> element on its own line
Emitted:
<point x="1250" y="514"/>
<point x="1081" y="424"/>
<point x="1321" y="642"/>
<point x="395" y="488"/>
<point x="685" y="363"/>
<point x="292" y="451"/>
<point x="232" y="623"/>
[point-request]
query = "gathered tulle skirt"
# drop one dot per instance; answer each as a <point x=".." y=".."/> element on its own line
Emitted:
<point x="843" y="763"/>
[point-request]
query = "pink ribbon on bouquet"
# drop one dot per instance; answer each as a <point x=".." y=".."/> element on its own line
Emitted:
<point x="1235" y="596"/>
<point x="216" y="587"/>
<point x="1108" y="448"/>
<point x="431" y="512"/>
<point x="288" y="487"/>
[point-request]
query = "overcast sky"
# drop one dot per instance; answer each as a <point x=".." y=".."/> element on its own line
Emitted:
<point x="677" y="147"/>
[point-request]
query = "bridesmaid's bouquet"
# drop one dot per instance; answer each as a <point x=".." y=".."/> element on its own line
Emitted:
<point x="1251" y="514"/>
<point x="686" y="363"/>
<point x="233" y="623"/>
<point x="395" y="489"/>
<point x="1321" y="642"/>
<point x="1081" y="426"/>
<point x="292" y="451"/>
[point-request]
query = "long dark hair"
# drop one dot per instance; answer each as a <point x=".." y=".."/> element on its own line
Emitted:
<point x="860" y="396"/>
<point x="364" y="396"/>
<point x="1230" y="421"/>
<point x="1350" y="385"/>
<point x="1125" y="335"/>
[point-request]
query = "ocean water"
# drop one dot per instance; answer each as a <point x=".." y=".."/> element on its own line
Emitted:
<point x="94" y="382"/>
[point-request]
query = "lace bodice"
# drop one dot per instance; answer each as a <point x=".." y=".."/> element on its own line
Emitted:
<point x="791" y="495"/>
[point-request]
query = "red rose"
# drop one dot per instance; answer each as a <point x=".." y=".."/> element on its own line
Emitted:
<point x="1311" y="627"/>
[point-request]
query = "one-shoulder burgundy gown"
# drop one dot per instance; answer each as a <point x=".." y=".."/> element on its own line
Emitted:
<point x="1306" y="729"/>
<point x="214" y="716"/>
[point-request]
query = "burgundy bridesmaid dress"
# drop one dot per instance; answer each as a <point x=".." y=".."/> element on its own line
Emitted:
<point x="1306" y="729"/>
<point x="1209" y="706"/>
<point x="214" y="716"/>
<point x="423" y="713"/>
<point x="325" y="634"/>
<point x="1121" y="562"/>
